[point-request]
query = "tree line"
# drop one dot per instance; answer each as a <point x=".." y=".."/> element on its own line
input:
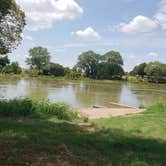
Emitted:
<point x="89" y="64"/>
<point x="152" y="71"/>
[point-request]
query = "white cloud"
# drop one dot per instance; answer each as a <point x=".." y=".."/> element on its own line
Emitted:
<point x="139" y="24"/>
<point x="27" y="37"/>
<point x="41" y="14"/>
<point x="160" y="16"/>
<point x="152" y="55"/>
<point x="74" y="45"/>
<point x="88" y="34"/>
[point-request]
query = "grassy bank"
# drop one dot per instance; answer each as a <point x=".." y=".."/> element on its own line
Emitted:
<point x="125" y="78"/>
<point x="137" y="140"/>
<point x="36" y="108"/>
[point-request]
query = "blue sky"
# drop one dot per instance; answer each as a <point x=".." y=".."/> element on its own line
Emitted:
<point x="137" y="29"/>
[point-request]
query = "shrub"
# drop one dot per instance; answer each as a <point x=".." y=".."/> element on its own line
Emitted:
<point x="60" y="110"/>
<point x="16" y="107"/>
<point x="29" y="107"/>
<point x="141" y="106"/>
<point x="159" y="107"/>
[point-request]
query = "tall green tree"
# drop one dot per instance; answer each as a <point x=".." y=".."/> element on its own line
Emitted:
<point x="111" y="66"/>
<point x="39" y="57"/>
<point x="156" y="69"/>
<point x="88" y="63"/>
<point x="113" y="57"/>
<point x="139" y="70"/>
<point x="12" y="22"/>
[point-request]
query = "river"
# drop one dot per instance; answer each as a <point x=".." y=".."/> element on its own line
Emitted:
<point x="82" y="94"/>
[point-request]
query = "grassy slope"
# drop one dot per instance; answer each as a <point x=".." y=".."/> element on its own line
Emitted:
<point x="122" y="141"/>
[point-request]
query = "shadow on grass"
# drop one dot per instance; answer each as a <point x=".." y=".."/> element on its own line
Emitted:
<point x="41" y="142"/>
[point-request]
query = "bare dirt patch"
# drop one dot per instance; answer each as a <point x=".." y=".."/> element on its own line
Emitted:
<point x="96" y="113"/>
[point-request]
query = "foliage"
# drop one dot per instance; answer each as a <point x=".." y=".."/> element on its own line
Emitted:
<point x="156" y="69"/>
<point x="39" y="58"/>
<point x="109" y="71"/>
<point x="74" y="74"/>
<point x="153" y="71"/>
<point x="13" y="68"/>
<point x="113" y="57"/>
<point x="12" y="22"/>
<point x="139" y="70"/>
<point x="4" y="60"/>
<point x="107" y="66"/>
<point x="158" y="107"/>
<point x="54" y="69"/>
<point x="88" y="62"/>
<point x="16" y="108"/>
<point x="60" y="110"/>
<point x="29" y="107"/>
<point x="6" y="5"/>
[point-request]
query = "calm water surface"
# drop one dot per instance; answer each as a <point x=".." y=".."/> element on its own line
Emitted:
<point x="83" y="94"/>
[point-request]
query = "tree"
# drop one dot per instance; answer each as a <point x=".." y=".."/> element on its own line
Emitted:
<point x="156" y="72"/>
<point x="109" y="71"/>
<point x="5" y="6"/>
<point x="156" y="69"/>
<point x="139" y="70"/>
<point x="12" y="22"/>
<point x="13" y="68"/>
<point x="39" y="58"/>
<point x="54" y="69"/>
<point x="88" y="63"/>
<point x="4" y="60"/>
<point x="113" y="57"/>
<point x="73" y="73"/>
<point x="110" y="66"/>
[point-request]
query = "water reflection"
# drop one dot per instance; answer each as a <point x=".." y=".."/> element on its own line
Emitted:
<point x="83" y="94"/>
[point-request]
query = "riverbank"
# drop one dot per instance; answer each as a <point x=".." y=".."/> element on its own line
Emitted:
<point x="122" y="141"/>
<point x="127" y="79"/>
<point x="97" y="113"/>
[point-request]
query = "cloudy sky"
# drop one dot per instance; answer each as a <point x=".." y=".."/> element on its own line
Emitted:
<point x="68" y="27"/>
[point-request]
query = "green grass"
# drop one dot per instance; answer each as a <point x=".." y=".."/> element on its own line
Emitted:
<point x="36" y="108"/>
<point x="137" y="140"/>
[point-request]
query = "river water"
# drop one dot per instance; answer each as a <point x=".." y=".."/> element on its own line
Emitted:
<point x="81" y="94"/>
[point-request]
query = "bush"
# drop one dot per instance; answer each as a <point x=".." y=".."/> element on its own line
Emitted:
<point x="16" y="107"/>
<point x="61" y="110"/>
<point x="159" y="107"/>
<point x="29" y="107"/>
<point x="141" y="106"/>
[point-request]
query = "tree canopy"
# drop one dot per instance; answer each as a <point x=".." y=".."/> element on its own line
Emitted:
<point x="54" y="69"/>
<point x="38" y="57"/>
<point x="4" y="60"/>
<point x="113" y="57"/>
<point x="156" y="69"/>
<point x="12" y="22"/>
<point x="88" y="62"/>
<point x="139" y="70"/>
<point x="97" y="66"/>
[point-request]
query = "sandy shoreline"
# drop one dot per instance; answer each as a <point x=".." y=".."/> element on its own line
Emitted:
<point x="96" y="113"/>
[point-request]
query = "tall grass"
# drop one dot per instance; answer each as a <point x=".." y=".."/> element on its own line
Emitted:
<point x="29" y="107"/>
<point x="158" y="107"/>
<point x="16" y="107"/>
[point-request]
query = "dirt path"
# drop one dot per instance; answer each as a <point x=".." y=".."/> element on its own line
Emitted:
<point x="96" y="113"/>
